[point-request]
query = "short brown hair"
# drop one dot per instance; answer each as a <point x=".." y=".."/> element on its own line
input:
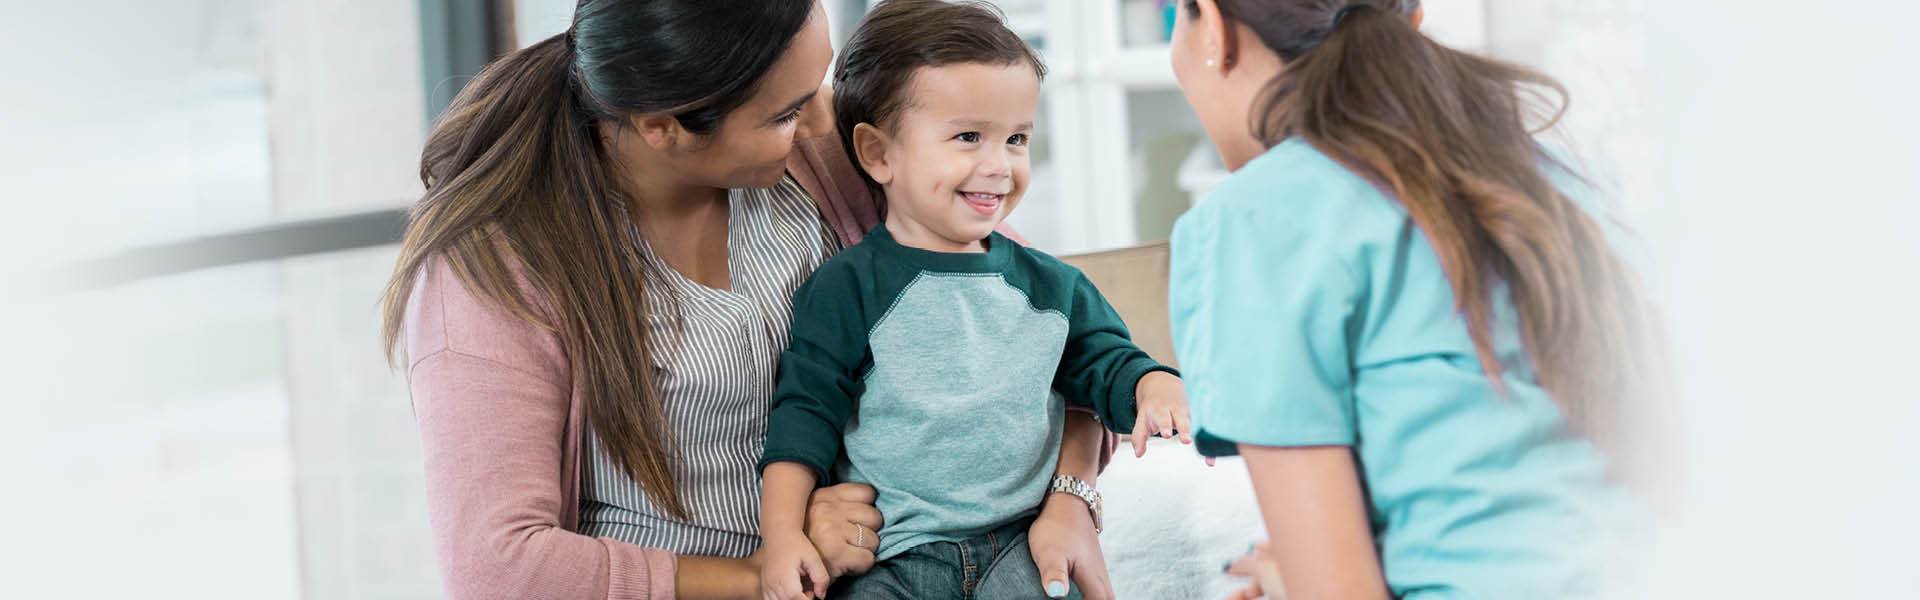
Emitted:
<point x="901" y="37"/>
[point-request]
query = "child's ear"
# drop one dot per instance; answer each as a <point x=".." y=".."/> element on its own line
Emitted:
<point x="870" y="148"/>
<point x="662" y="132"/>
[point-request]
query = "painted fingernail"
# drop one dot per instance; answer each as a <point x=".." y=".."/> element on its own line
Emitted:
<point x="1226" y="566"/>
<point x="1056" y="589"/>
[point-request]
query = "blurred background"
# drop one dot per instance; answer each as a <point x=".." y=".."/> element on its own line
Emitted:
<point x="203" y="198"/>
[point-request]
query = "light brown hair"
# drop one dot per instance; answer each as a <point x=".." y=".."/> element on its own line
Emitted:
<point x="1452" y="135"/>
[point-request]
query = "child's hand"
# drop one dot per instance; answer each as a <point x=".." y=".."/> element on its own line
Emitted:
<point x="784" y="558"/>
<point x="1160" y="410"/>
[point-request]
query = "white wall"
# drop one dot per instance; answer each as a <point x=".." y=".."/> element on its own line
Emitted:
<point x="1785" y="203"/>
<point x="535" y="20"/>
<point x="1599" y="51"/>
<point x="227" y="433"/>
<point x="346" y="130"/>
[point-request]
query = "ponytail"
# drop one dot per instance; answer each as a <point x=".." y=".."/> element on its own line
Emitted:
<point x="1452" y="135"/>
<point x="515" y="174"/>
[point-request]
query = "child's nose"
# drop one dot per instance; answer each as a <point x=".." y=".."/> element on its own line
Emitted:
<point x="996" y="163"/>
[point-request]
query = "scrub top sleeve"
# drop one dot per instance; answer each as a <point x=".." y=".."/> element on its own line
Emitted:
<point x="1261" y="303"/>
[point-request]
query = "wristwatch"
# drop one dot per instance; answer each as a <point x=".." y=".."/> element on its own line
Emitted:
<point x="1074" y="486"/>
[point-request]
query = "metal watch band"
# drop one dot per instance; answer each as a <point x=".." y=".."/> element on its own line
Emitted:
<point x="1074" y="486"/>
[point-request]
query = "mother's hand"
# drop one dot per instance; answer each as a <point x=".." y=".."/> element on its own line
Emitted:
<point x="843" y="525"/>
<point x="1066" y="547"/>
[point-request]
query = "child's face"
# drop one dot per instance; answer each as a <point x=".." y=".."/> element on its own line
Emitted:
<point x="956" y="163"/>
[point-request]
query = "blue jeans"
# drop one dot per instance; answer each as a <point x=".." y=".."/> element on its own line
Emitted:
<point x="992" y="566"/>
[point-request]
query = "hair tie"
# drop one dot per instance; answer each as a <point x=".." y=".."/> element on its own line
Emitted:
<point x="1340" y="16"/>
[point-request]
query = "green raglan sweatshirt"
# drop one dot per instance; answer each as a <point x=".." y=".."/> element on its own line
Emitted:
<point x="936" y="374"/>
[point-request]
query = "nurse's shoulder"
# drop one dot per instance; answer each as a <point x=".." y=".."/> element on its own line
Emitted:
<point x="1294" y="189"/>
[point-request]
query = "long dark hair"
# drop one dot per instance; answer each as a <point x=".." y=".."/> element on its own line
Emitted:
<point x="1453" y="135"/>
<point x="516" y="172"/>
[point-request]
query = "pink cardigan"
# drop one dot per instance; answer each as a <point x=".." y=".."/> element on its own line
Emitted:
<point x="501" y="419"/>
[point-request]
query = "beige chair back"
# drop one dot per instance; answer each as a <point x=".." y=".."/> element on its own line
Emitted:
<point x="1134" y="280"/>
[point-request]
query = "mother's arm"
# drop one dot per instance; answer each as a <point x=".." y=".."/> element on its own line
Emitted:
<point x="492" y="400"/>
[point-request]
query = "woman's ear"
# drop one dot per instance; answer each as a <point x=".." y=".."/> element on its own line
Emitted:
<point x="1419" y="15"/>
<point x="662" y="132"/>
<point x="870" y="149"/>
<point x="1217" y="37"/>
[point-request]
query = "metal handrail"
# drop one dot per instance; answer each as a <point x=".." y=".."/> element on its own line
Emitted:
<point x="271" y="242"/>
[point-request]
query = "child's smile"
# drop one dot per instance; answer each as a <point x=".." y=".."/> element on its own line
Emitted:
<point x="986" y="204"/>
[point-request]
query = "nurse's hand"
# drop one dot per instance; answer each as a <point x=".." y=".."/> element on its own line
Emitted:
<point x="843" y="524"/>
<point x="1258" y="566"/>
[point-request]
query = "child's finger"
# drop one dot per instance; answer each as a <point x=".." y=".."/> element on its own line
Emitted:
<point x="1183" y="423"/>
<point x="817" y="572"/>
<point x="792" y="586"/>
<point x="1139" y="437"/>
<point x="797" y="587"/>
<point x="784" y="589"/>
<point x="771" y="587"/>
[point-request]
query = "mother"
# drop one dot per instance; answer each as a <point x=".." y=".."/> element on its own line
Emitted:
<point x="594" y="292"/>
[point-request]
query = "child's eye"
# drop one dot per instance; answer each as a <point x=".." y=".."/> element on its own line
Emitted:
<point x="971" y="137"/>
<point x="1018" y="139"/>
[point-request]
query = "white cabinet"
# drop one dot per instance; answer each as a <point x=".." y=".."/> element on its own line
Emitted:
<point x="1117" y="126"/>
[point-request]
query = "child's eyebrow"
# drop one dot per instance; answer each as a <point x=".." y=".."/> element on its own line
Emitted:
<point x="985" y="124"/>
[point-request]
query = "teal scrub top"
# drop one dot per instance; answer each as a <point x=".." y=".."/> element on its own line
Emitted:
<point x="1309" y="310"/>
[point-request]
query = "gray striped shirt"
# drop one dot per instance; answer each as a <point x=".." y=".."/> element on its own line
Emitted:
<point x="715" y="352"/>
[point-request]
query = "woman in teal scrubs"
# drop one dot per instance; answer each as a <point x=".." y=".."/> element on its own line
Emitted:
<point x="1400" y="310"/>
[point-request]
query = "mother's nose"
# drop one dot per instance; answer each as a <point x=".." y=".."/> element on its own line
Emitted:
<point x="816" y="118"/>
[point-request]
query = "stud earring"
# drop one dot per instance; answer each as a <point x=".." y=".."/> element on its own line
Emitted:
<point x="1210" y="63"/>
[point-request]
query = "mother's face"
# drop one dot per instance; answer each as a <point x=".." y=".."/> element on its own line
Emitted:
<point x="749" y="148"/>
